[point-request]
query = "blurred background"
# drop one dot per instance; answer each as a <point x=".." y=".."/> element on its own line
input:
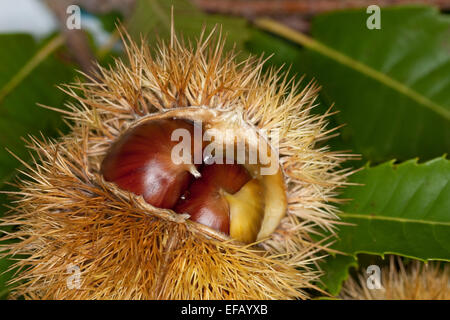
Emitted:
<point x="383" y="65"/>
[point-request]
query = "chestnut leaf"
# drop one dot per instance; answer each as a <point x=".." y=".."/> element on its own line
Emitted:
<point x="19" y="114"/>
<point x="152" y="18"/>
<point x="400" y="209"/>
<point x="390" y="85"/>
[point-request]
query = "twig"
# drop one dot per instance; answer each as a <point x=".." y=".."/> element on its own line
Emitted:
<point x="76" y="40"/>
<point x="306" y="7"/>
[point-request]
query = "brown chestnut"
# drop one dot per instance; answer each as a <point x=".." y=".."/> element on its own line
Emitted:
<point x="234" y="199"/>
<point x="140" y="162"/>
<point x="206" y="200"/>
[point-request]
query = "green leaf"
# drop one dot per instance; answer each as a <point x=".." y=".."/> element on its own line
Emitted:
<point x="5" y="264"/>
<point x="29" y="73"/>
<point x="390" y="85"/>
<point x="401" y="209"/>
<point x="110" y="19"/>
<point x="26" y="78"/>
<point x="152" y="18"/>
<point x="335" y="270"/>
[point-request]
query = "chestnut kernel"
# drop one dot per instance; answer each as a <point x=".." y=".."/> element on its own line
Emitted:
<point x="140" y="162"/>
<point x="205" y="199"/>
<point x="238" y="200"/>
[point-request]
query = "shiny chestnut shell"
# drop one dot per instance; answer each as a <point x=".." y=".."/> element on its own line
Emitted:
<point x="140" y="162"/>
<point x="205" y="201"/>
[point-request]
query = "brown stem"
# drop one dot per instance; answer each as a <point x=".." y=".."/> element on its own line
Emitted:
<point x="104" y="6"/>
<point x="305" y="7"/>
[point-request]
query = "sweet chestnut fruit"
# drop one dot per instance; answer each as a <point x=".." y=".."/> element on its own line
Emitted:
<point x="140" y="162"/>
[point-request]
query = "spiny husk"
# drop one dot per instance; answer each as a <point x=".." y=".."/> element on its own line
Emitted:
<point x="126" y="249"/>
<point x="413" y="281"/>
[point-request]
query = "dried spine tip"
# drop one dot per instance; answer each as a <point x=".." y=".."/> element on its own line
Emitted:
<point x="413" y="280"/>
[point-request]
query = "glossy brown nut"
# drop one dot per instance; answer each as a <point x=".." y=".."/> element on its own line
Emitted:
<point x="205" y="199"/>
<point x="140" y="162"/>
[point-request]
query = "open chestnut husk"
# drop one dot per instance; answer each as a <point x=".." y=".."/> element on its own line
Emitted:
<point x="103" y="213"/>
<point x="226" y="196"/>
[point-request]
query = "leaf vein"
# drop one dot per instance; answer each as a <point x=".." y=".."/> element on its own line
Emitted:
<point x="397" y="219"/>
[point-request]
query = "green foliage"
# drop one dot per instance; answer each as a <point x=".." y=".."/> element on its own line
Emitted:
<point x="335" y="268"/>
<point x="109" y="20"/>
<point x="397" y="105"/>
<point x="189" y="21"/>
<point x="19" y="114"/>
<point x="386" y="108"/>
<point x="400" y="209"/>
<point x="5" y="276"/>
